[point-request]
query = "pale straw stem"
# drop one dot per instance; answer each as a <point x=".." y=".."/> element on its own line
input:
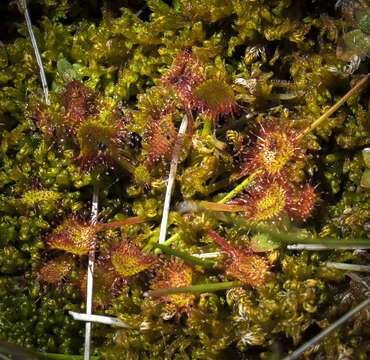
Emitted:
<point x="37" y="53"/>
<point x="171" y="181"/>
<point x="107" y="320"/>
<point x="315" y="247"/>
<point x="90" y="276"/>
<point x="334" y="108"/>
<point x="348" y="267"/>
<point x="296" y="354"/>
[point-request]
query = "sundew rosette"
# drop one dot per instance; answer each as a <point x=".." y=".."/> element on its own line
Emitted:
<point x="198" y="91"/>
<point x="89" y="123"/>
<point x="269" y="200"/>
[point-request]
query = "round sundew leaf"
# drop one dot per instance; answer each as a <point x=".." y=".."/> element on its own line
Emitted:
<point x="55" y="270"/>
<point x="128" y="260"/>
<point x="104" y="293"/>
<point x="33" y="197"/>
<point x="72" y="236"/>
<point x="271" y="204"/>
<point x="215" y="96"/>
<point x="262" y="243"/>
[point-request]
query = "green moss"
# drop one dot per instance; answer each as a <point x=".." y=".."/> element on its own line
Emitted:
<point x="116" y="107"/>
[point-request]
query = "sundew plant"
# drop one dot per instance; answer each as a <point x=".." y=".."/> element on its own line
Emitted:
<point x="271" y="193"/>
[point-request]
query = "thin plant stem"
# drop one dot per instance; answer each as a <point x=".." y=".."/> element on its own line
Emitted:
<point x="90" y="276"/>
<point x="116" y="224"/>
<point x="297" y="353"/>
<point x="359" y="279"/>
<point x="37" y="53"/>
<point x="348" y="267"/>
<point x="209" y="255"/>
<point x="170" y="183"/>
<point x="334" y="108"/>
<point x="239" y="188"/>
<point x="315" y="247"/>
<point x="200" y="288"/>
<point x="107" y="320"/>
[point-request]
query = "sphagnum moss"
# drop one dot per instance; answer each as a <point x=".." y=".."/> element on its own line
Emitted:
<point x="148" y="64"/>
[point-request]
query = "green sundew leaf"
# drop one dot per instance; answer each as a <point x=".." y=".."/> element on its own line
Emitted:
<point x="365" y="179"/>
<point x="67" y="71"/>
<point x="262" y="243"/>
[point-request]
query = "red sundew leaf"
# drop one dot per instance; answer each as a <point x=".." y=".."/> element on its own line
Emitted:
<point x="104" y="285"/>
<point x="128" y="260"/>
<point x="270" y="199"/>
<point x="79" y="102"/>
<point x="55" y="270"/>
<point x="73" y="236"/>
<point x="215" y="98"/>
<point x="175" y="274"/>
<point x="243" y="265"/>
<point x="162" y="136"/>
<point x="275" y="147"/>
<point x="77" y="237"/>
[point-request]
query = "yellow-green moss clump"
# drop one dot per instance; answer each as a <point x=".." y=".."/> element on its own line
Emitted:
<point x="250" y="76"/>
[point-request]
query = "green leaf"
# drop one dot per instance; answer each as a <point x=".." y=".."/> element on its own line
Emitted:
<point x="366" y="156"/>
<point x="67" y="71"/>
<point x="365" y="179"/>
